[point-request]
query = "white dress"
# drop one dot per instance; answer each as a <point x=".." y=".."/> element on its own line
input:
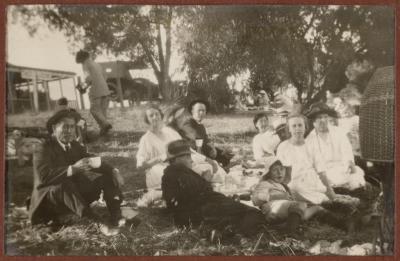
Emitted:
<point x="264" y="144"/>
<point x="333" y="155"/>
<point x="305" y="183"/>
<point x="152" y="146"/>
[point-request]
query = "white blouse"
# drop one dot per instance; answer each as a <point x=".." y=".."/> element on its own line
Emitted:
<point x="152" y="146"/>
<point x="265" y="143"/>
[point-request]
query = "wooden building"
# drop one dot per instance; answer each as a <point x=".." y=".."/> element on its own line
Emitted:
<point x="31" y="80"/>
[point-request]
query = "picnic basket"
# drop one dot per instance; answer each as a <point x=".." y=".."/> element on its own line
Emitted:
<point x="377" y="117"/>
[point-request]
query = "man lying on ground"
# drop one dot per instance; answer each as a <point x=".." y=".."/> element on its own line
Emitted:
<point x="192" y="201"/>
<point x="67" y="179"/>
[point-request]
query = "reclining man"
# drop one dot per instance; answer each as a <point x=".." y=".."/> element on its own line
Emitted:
<point x="192" y="201"/>
<point x="67" y="178"/>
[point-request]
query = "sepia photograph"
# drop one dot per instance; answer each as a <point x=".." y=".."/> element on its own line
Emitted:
<point x="199" y="130"/>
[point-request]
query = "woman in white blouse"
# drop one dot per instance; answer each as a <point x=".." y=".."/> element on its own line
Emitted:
<point x="266" y="141"/>
<point x="152" y="153"/>
<point x="305" y="183"/>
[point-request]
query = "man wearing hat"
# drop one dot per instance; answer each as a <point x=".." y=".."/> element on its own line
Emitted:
<point x="98" y="93"/>
<point x="192" y="201"/>
<point x="331" y="150"/>
<point x="67" y="179"/>
<point x="193" y="130"/>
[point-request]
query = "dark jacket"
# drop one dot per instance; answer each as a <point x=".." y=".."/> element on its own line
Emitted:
<point x="50" y="166"/>
<point x="192" y="130"/>
<point x="191" y="200"/>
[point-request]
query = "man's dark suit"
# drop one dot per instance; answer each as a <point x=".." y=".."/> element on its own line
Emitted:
<point x="191" y="130"/>
<point x="191" y="200"/>
<point x="54" y="191"/>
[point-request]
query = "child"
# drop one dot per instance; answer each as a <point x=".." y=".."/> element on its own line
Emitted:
<point x="275" y="200"/>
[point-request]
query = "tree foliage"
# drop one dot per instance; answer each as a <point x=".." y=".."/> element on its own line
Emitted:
<point x="307" y="46"/>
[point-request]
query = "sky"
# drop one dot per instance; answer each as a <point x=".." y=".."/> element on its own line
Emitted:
<point x="50" y="50"/>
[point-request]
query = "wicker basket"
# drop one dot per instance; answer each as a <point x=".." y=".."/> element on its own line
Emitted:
<point x="377" y="117"/>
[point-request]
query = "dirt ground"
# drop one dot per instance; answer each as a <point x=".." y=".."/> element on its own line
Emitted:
<point x="155" y="235"/>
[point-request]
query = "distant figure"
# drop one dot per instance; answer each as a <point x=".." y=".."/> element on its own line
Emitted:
<point x="99" y="94"/>
<point x="67" y="179"/>
<point x="62" y="104"/>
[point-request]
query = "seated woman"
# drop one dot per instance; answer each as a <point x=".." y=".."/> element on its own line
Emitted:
<point x="305" y="183"/>
<point x="152" y="152"/>
<point x="275" y="199"/>
<point x="266" y="141"/>
<point x="192" y="201"/>
<point x="331" y="151"/>
<point x="193" y="130"/>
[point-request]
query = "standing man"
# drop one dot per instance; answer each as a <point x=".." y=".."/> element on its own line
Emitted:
<point x="67" y="179"/>
<point x="98" y="93"/>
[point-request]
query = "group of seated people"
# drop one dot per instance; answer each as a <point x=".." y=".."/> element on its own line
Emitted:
<point x="182" y="165"/>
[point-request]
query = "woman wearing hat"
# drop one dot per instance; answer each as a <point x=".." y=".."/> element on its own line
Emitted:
<point x="305" y="183"/>
<point x="192" y="201"/>
<point x="331" y="151"/>
<point x="152" y="152"/>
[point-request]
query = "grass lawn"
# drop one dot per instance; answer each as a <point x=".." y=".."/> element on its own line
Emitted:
<point x="156" y="234"/>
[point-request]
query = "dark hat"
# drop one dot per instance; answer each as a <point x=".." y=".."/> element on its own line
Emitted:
<point x="269" y="162"/>
<point x="58" y="116"/>
<point x="177" y="148"/>
<point x="81" y="56"/>
<point x="320" y="108"/>
<point x="192" y="103"/>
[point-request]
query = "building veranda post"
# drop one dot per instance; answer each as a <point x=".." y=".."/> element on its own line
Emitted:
<point x="28" y="88"/>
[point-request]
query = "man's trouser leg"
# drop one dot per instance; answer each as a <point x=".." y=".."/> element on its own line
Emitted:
<point x="66" y="195"/>
<point x="112" y="194"/>
<point x="105" y="101"/>
<point x="97" y="112"/>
